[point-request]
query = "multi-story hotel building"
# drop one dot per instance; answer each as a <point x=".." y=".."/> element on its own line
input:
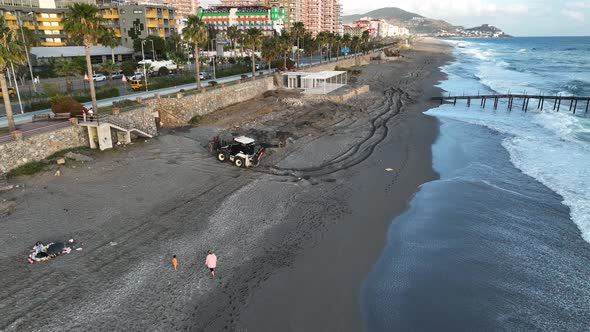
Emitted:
<point x="316" y="15"/>
<point x="44" y="18"/>
<point x="267" y="19"/>
<point x="184" y="8"/>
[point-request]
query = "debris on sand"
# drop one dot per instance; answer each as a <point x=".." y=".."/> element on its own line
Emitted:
<point x="61" y="161"/>
<point x="389" y="169"/>
<point x="292" y="101"/>
<point x="57" y="173"/>
<point x="6" y="188"/>
<point x="78" y="157"/>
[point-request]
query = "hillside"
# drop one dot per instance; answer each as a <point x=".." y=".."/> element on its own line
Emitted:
<point x="414" y="22"/>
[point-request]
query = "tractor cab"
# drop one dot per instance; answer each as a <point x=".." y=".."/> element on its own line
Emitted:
<point x="242" y="151"/>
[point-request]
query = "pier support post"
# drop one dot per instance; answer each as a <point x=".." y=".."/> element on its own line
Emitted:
<point x="455" y="101"/>
<point x="526" y="107"/>
<point x="558" y="104"/>
<point x="571" y="104"/>
<point x="539" y="103"/>
<point x="484" y="103"/>
<point x="542" y="102"/>
<point x="555" y="104"/>
<point x="587" y="103"/>
<point x="468" y="102"/>
<point x="575" y="106"/>
<point x="509" y="103"/>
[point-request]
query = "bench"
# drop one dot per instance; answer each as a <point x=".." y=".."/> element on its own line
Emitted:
<point x="62" y="116"/>
<point x="40" y="117"/>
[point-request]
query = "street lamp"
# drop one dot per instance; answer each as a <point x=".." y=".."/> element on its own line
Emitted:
<point x="27" y="49"/>
<point x="144" y="73"/>
<point x="153" y="51"/>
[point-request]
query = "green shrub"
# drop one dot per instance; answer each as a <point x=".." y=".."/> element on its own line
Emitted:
<point x="195" y="119"/>
<point x="37" y="106"/>
<point x="65" y="104"/>
<point x="244" y="76"/>
<point x="163" y="71"/>
<point x="29" y="168"/>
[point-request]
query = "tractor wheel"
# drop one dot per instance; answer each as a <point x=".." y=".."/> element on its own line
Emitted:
<point x="239" y="162"/>
<point x="221" y="156"/>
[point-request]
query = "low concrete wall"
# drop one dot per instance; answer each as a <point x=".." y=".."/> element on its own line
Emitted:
<point x="337" y="96"/>
<point x="344" y="63"/>
<point x="176" y="112"/>
<point x="40" y="146"/>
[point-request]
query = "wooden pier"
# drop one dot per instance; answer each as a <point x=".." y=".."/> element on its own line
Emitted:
<point x="557" y="102"/>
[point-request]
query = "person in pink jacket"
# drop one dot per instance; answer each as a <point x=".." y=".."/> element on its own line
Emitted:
<point x="211" y="262"/>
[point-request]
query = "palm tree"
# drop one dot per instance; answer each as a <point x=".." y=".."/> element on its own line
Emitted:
<point x="337" y="44"/>
<point x="365" y="38"/>
<point x="174" y="42"/>
<point x="346" y="39"/>
<point x="233" y="33"/>
<point x="355" y="42"/>
<point x="330" y="39"/>
<point x="11" y="52"/>
<point x="285" y="45"/>
<point x="196" y="32"/>
<point x="271" y="49"/>
<point x="110" y="39"/>
<point x="84" y="26"/>
<point x="254" y="39"/>
<point x="68" y="69"/>
<point x="109" y="67"/>
<point x="297" y="32"/>
<point x="321" y="39"/>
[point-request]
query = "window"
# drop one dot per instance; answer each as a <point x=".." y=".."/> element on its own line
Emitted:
<point x="54" y="24"/>
<point x="138" y="11"/>
<point x="44" y="15"/>
<point x="53" y="15"/>
<point x="46" y="24"/>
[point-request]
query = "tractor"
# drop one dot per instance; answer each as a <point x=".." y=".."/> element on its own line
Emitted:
<point x="242" y="151"/>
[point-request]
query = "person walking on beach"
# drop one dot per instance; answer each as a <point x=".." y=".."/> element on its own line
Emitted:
<point x="211" y="262"/>
<point x="174" y="262"/>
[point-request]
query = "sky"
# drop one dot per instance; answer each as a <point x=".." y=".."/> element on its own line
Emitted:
<point x="517" y="17"/>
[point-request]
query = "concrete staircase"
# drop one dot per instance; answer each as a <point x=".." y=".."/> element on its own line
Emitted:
<point x="100" y="131"/>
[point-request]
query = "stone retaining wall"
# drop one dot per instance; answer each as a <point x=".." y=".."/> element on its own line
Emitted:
<point x="177" y="112"/>
<point x="40" y="146"/>
<point x="142" y="118"/>
<point x="345" y="63"/>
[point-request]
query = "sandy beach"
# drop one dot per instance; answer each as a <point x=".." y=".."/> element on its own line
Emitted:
<point x="294" y="237"/>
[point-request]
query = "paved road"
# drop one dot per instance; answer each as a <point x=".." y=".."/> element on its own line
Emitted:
<point x="27" y="117"/>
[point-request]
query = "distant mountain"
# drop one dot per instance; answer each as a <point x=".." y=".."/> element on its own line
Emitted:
<point x="485" y="28"/>
<point x="414" y="22"/>
<point x="384" y="13"/>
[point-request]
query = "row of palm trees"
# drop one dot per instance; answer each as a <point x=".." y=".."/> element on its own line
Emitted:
<point x="85" y="26"/>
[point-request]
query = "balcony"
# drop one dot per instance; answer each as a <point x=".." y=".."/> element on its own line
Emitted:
<point x="152" y="24"/>
<point x="53" y="43"/>
<point x="58" y="27"/>
<point x="150" y="14"/>
<point x="48" y="19"/>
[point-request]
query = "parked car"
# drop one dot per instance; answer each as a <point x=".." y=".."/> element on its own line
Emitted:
<point x="117" y="75"/>
<point x="99" y="77"/>
<point x="204" y="75"/>
<point x="11" y="92"/>
<point x="258" y="66"/>
<point x="137" y="75"/>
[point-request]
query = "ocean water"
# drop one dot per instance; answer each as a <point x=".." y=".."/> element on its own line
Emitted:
<point x="502" y="240"/>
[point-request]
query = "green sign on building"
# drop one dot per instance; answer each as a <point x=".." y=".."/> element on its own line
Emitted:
<point x="274" y="13"/>
<point x="200" y="12"/>
<point x="283" y="14"/>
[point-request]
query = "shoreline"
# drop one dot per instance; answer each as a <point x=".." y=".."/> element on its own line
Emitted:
<point x="320" y="291"/>
<point x="288" y="248"/>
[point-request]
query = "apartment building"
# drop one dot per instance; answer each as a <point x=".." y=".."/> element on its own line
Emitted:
<point x="42" y="16"/>
<point x="140" y="20"/>
<point x="267" y="19"/>
<point x="292" y="10"/>
<point x="184" y="8"/>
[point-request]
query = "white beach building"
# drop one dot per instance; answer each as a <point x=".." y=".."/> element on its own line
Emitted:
<point x="322" y="82"/>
